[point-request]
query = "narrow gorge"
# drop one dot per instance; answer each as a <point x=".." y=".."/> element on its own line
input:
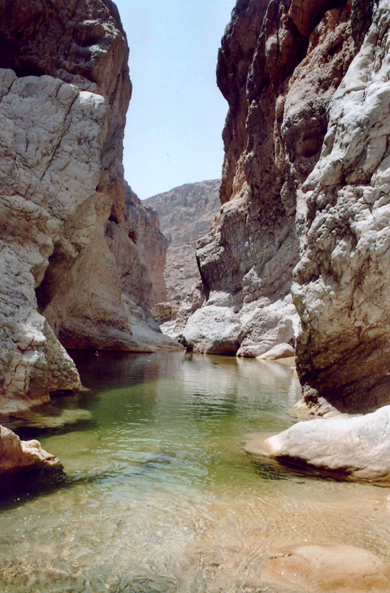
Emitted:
<point x="144" y="341"/>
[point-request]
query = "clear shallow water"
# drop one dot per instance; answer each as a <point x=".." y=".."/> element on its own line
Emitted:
<point x="160" y="497"/>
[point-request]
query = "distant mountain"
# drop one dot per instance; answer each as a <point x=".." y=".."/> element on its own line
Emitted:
<point x="185" y="213"/>
<point x="152" y="246"/>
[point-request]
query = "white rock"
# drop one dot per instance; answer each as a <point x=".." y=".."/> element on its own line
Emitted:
<point x="356" y="447"/>
<point x="278" y="352"/>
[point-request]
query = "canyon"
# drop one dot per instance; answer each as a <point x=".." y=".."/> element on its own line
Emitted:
<point x="296" y="256"/>
<point x="286" y="256"/>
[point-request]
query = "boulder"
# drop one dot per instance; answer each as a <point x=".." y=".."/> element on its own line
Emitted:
<point x="18" y="456"/>
<point x="349" y="447"/>
<point x="278" y="352"/>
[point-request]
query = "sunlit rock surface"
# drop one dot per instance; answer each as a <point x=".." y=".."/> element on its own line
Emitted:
<point x="351" y="447"/>
<point x="185" y="213"/>
<point x="19" y="456"/>
<point x="64" y="94"/>
<point x="279" y="352"/>
<point x="278" y="68"/>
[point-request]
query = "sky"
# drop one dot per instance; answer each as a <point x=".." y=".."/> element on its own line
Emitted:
<point x="177" y="113"/>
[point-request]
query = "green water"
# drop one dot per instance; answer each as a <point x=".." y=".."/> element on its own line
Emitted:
<point x="159" y="495"/>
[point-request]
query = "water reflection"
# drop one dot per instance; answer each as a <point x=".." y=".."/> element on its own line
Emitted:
<point x="159" y="495"/>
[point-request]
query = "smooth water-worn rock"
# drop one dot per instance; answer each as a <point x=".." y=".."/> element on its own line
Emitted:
<point x="18" y="456"/>
<point x="340" y="568"/>
<point x="185" y="213"/>
<point x="64" y="93"/>
<point x="352" y="447"/>
<point x="279" y="352"/>
<point x="278" y="68"/>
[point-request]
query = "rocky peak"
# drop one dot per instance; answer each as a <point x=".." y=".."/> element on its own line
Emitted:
<point x="185" y="213"/>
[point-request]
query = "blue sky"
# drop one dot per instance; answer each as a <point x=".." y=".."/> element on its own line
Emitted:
<point x="177" y="113"/>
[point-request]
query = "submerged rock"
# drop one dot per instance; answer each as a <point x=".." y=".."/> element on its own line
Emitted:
<point x="19" y="456"/>
<point x="349" y="447"/>
<point x="48" y="419"/>
<point x="340" y="568"/>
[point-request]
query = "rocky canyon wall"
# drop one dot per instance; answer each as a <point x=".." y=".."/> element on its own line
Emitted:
<point x="185" y="213"/>
<point x="304" y="197"/>
<point x="64" y="93"/>
<point x="151" y="242"/>
<point x="342" y="281"/>
<point x="279" y="66"/>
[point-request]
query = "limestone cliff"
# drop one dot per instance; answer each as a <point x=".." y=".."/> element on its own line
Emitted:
<point x="279" y="66"/>
<point x="307" y="151"/>
<point x="64" y="92"/>
<point x="343" y="278"/>
<point x="185" y="213"/>
<point x="151" y="242"/>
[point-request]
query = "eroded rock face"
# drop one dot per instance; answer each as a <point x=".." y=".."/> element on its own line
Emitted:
<point x="64" y="92"/>
<point x="185" y="213"/>
<point x="151" y="243"/>
<point x="279" y="66"/>
<point x="342" y="281"/>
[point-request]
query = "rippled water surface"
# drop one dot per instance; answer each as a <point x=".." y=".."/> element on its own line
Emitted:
<point x="159" y="496"/>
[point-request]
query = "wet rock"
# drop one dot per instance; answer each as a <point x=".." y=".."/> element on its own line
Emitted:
<point x="338" y="568"/>
<point x="19" y="456"/>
